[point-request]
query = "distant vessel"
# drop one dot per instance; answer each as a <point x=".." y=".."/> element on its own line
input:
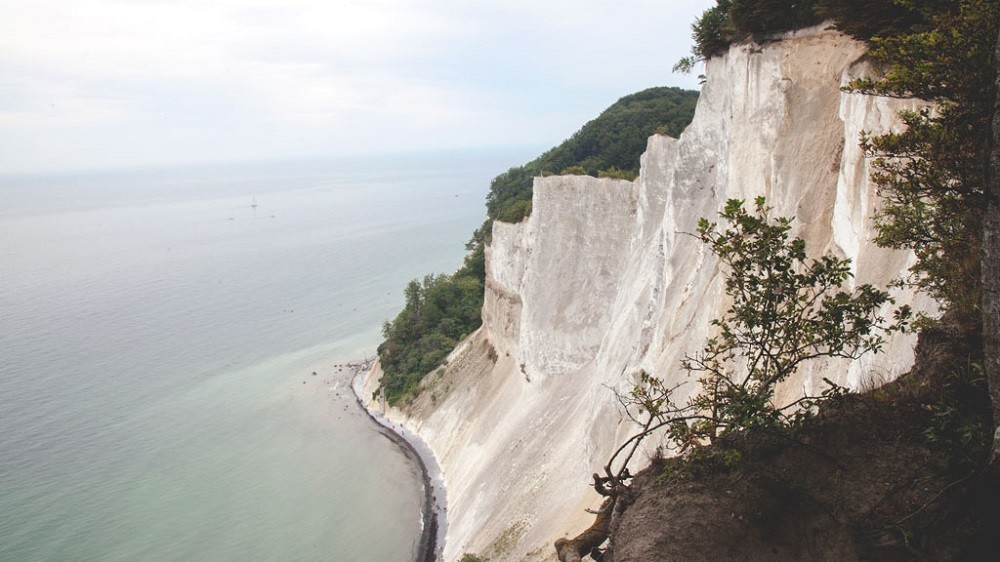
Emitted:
<point x="253" y="204"/>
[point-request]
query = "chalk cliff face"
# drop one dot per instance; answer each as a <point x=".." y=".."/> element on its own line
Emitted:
<point x="603" y="279"/>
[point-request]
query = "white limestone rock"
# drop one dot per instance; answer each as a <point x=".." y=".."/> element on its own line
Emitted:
<point x="603" y="279"/>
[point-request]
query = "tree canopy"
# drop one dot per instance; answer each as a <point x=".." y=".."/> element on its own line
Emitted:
<point x="932" y="175"/>
<point x="611" y="143"/>
<point x="439" y="312"/>
<point x="733" y="21"/>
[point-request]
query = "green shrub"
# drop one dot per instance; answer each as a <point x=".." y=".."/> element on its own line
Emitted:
<point x="516" y="212"/>
<point x="786" y="310"/>
<point x="932" y="175"/>
<point x="617" y="173"/>
<point x="438" y="312"/>
<point x="712" y="32"/>
<point x="574" y="171"/>
<point x="864" y="20"/>
<point x="715" y="460"/>
<point x="731" y="21"/>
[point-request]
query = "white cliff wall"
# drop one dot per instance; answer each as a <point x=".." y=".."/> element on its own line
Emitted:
<point x="603" y="279"/>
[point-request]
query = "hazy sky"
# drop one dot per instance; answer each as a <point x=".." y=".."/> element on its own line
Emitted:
<point x="122" y="83"/>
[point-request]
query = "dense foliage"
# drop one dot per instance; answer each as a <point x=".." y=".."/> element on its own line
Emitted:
<point x="730" y="21"/>
<point x="611" y="143"/>
<point x="932" y="175"/>
<point x="441" y="310"/>
<point x="786" y="310"/>
<point x="733" y="21"/>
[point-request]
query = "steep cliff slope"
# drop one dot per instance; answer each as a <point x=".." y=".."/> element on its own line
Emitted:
<point x="603" y="280"/>
<point x="891" y="474"/>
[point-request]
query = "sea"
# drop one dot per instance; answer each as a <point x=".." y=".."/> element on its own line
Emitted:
<point x="172" y="350"/>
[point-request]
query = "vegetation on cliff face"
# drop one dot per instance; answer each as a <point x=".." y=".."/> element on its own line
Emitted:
<point x="735" y="21"/>
<point x="939" y="176"/>
<point x="932" y="175"/>
<point x="441" y="310"/>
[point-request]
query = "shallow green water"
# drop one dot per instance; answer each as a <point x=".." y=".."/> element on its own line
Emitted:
<point x="159" y="336"/>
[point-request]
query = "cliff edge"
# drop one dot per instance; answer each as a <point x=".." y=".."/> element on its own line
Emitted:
<point x="604" y="280"/>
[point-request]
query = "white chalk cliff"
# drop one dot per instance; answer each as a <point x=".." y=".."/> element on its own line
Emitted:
<point x="603" y="279"/>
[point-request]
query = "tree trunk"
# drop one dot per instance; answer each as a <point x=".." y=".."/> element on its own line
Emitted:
<point x="585" y="543"/>
<point x="991" y="272"/>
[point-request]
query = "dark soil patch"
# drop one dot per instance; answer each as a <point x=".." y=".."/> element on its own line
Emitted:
<point x="892" y="474"/>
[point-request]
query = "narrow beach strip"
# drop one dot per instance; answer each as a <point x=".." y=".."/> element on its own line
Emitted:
<point x="433" y="515"/>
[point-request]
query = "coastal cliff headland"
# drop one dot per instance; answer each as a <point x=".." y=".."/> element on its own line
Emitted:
<point x="603" y="281"/>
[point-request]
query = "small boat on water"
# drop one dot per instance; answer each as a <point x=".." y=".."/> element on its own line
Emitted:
<point x="253" y="204"/>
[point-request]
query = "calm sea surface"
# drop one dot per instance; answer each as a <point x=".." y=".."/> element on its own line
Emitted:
<point x="158" y="337"/>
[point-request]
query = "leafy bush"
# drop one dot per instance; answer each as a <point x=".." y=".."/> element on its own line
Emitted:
<point x="574" y="171"/>
<point x="516" y="212"/>
<point x="757" y="19"/>
<point x="732" y="21"/>
<point x="932" y="176"/>
<point x="618" y="174"/>
<point x="713" y="31"/>
<point x="786" y="310"/>
<point x="439" y="312"/>
<point x="866" y="19"/>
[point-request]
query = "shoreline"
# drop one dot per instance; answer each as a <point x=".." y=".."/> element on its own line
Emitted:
<point x="434" y="507"/>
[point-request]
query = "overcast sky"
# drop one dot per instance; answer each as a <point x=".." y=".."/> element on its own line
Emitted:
<point x="122" y="83"/>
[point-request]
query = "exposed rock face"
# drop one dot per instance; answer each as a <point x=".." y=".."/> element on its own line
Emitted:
<point x="603" y="279"/>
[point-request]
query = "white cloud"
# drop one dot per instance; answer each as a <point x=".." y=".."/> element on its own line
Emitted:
<point x="189" y="80"/>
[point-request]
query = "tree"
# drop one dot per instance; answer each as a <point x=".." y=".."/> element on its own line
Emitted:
<point x="761" y="18"/>
<point x="991" y="272"/>
<point x="868" y="18"/>
<point x="786" y="310"/>
<point x="440" y="310"/>
<point x="939" y="176"/>
<point x="731" y="21"/>
<point x="932" y="175"/>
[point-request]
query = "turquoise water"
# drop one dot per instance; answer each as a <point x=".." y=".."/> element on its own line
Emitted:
<point x="158" y="340"/>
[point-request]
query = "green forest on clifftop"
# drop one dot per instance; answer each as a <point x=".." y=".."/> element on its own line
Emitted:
<point x="610" y="145"/>
<point x="441" y="310"/>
